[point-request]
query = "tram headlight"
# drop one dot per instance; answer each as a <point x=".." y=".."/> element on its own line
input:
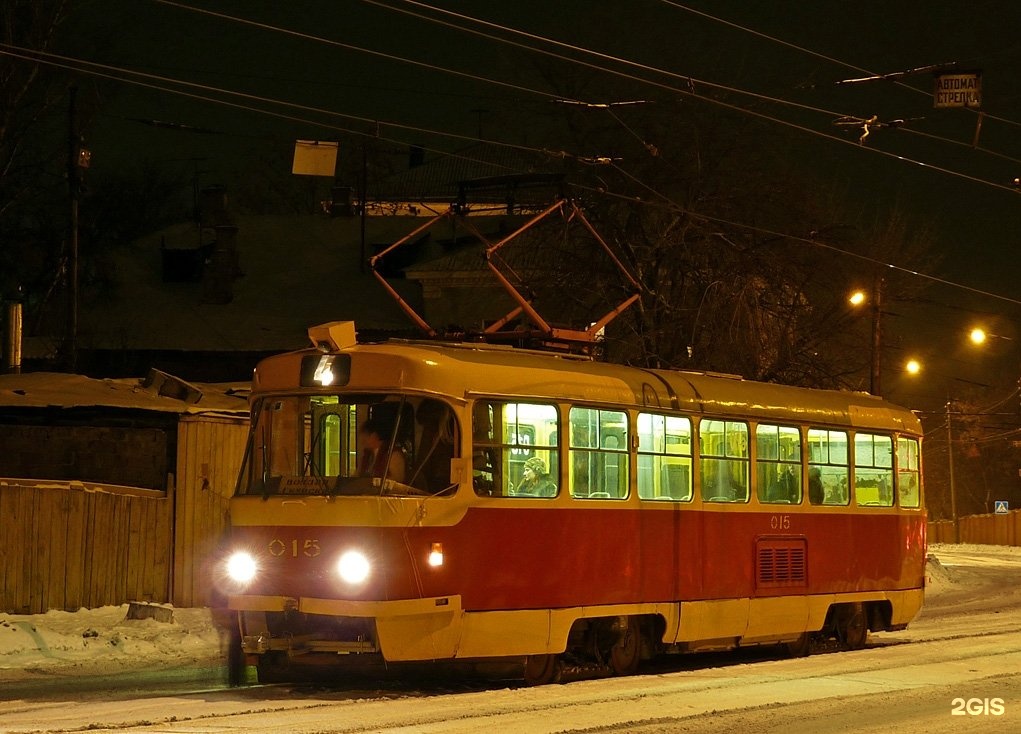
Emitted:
<point x="241" y="567"/>
<point x="353" y="567"/>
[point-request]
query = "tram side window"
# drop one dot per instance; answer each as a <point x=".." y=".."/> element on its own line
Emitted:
<point x="828" y="467"/>
<point x="873" y="470"/>
<point x="908" y="472"/>
<point x="599" y="453"/>
<point x="514" y="449"/>
<point x="778" y="464"/>
<point x="437" y="443"/>
<point x="723" y="447"/>
<point x="279" y="439"/>
<point x="664" y="457"/>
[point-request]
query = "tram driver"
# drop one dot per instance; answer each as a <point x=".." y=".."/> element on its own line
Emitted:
<point x="376" y="439"/>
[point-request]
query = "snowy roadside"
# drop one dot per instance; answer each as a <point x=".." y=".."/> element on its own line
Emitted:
<point x="103" y="641"/>
<point x="96" y="642"/>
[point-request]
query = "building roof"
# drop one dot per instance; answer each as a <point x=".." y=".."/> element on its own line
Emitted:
<point x="486" y="174"/>
<point x="292" y="272"/>
<point x="157" y="392"/>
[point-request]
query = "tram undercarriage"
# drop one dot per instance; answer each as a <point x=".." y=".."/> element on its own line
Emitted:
<point x="292" y="645"/>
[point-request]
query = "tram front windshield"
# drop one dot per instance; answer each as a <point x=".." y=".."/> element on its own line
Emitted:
<point x="350" y="445"/>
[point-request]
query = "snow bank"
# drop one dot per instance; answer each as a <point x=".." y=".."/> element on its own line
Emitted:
<point x="104" y="641"/>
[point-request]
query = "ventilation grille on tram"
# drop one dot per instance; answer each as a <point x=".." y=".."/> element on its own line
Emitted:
<point x="781" y="562"/>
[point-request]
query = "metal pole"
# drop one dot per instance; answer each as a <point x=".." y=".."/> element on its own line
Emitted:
<point x="362" y="213"/>
<point x="12" y="344"/>
<point x="74" y="190"/>
<point x="875" y="386"/>
<point x="950" y="466"/>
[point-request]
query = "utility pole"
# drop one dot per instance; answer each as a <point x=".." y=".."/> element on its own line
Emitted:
<point x="74" y="192"/>
<point x="950" y="467"/>
<point x="78" y="159"/>
<point x="875" y="377"/>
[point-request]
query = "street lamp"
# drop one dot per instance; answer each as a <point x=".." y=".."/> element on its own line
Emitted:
<point x="979" y="336"/>
<point x="857" y="298"/>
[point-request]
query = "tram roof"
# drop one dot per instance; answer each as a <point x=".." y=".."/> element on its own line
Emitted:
<point x="466" y="370"/>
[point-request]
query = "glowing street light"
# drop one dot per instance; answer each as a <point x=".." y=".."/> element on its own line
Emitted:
<point x="858" y="298"/>
<point x="912" y="366"/>
<point x="977" y="335"/>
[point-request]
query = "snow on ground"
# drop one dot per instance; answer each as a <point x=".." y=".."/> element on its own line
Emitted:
<point x="104" y="641"/>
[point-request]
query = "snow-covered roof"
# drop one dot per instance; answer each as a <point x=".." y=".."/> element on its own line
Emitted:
<point x="156" y="392"/>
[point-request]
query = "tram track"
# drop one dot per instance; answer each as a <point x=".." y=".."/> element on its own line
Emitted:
<point x="716" y="677"/>
<point x="625" y="704"/>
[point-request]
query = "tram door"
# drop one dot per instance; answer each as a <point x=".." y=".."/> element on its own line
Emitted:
<point x="330" y="440"/>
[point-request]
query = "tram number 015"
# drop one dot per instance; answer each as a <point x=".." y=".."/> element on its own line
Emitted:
<point x="308" y="548"/>
<point x="780" y="522"/>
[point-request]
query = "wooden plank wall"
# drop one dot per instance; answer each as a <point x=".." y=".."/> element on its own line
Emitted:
<point x="991" y="529"/>
<point x="67" y="545"/>
<point x="209" y="454"/>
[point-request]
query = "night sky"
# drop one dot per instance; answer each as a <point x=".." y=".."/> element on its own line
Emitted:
<point x="790" y="51"/>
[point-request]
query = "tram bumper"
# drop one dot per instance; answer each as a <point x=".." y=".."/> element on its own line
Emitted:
<point x="405" y="629"/>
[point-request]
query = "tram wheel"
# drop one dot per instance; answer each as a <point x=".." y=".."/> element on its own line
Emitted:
<point x="800" y="647"/>
<point x="627" y="650"/>
<point x="853" y="627"/>
<point x="542" y="669"/>
<point x="236" y="662"/>
<point x="273" y="668"/>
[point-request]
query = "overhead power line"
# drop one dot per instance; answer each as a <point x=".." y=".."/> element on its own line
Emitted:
<point x="692" y="84"/>
<point x="107" y="71"/>
<point x="872" y="74"/>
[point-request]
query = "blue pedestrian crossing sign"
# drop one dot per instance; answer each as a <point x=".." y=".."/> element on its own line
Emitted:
<point x="1000" y="507"/>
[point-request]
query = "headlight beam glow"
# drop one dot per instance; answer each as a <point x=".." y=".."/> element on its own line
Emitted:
<point x="353" y="567"/>
<point x="241" y="567"/>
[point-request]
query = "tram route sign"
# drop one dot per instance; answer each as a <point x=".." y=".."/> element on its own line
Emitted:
<point x="958" y="90"/>
<point x="1000" y="507"/>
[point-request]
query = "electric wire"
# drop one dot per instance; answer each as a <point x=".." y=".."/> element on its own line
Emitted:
<point x="64" y="62"/>
<point x="461" y="137"/>
<point x="691" y="81"/>
<point x="810" y="241"/>
<point x="106" y="71"/>
<point x="346" y="46"/>
<point x="839" y="62"/>
<point x="810" y="52"/>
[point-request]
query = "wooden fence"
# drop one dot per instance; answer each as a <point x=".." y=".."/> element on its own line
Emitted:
<point x="1003" y="529"/>
<point x="67" y="545"/>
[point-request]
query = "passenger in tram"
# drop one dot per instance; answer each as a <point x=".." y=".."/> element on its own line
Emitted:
<point x="375" y="436"/>
<point x="789" y="489"/>
<point x="816" y="495"/>
<point x="535" y="480"/>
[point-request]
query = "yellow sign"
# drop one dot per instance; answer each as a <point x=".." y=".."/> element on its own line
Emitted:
<point x="958" y="90"/>
<point x="315" y="158"/>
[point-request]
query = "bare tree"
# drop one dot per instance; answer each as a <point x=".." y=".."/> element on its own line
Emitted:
<point x="32" y="156"/>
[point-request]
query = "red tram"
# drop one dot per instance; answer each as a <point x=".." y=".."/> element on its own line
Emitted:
<point x="418" y="501"/>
